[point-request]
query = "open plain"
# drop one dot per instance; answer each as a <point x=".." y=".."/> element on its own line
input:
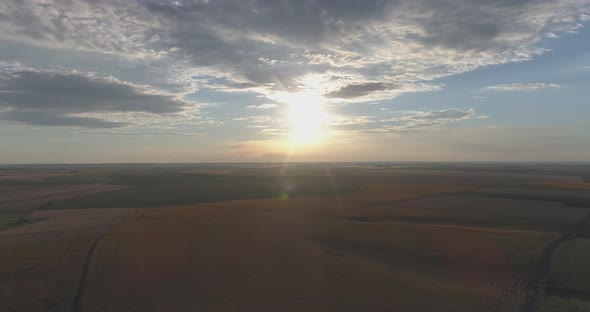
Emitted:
<point x="303" y="237"/>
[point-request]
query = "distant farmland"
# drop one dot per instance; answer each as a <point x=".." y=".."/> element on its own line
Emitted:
<point x="303" y="237"/>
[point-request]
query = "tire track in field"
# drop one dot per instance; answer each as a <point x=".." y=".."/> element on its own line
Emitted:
<point x="83" y="281"/>
<point x="513" y="295"/>
<point x="75" y="305"/>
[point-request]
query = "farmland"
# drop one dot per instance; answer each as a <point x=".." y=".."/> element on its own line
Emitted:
<point x="302" y="237"/>
<point x="257" y="255"/>
<point x="16" y="218"/>
<point x="570" y="275"/>
<point x="42" y="261"/>
<point x="28" y="199"/>
<point x="41" y="274"/>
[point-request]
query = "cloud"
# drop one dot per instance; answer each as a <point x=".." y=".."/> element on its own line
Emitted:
<point x="144" y="133"/>
<point x="523" y="86"/>
<point x="257" y="119"/>
<point x="409" y="120"/>
<point x="243" y="85"/>
<point x="352" y="121"/>
<point x="420" y="119"/>
<point x="358" y="90"/>
<point x="134" y="63"/>
<point x="67" y="99"/>
<point x="359" y="46"/>
<point x="262" y="106"/>
<point x="38" y="118"/>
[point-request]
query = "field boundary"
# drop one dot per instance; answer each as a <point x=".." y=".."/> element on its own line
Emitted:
<point x="55" y="231"/>
<point x="537" y="286"/>
<point x="75" y="304"/>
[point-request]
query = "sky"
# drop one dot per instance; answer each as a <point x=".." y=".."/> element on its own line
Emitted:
<point x="99" y="81"/>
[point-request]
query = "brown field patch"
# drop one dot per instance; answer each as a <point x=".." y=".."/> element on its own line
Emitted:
<point x="301" y="254"/>
<point x="41" y="274"/>
<point x="36" y="175"/>
<point x="41" y="262"/>
<point x="68" y="219"/>
<point x="39" y="197"/>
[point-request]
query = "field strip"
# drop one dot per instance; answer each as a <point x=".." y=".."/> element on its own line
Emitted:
<point x="514" y="295"/>
<point x="54" y="231"/>
<point x="75" y="304"/>
<point x="456" y="210"/>
<point x="488" y="229"/>
<point x="537" y="286"/>
<point x="472" y="228"/>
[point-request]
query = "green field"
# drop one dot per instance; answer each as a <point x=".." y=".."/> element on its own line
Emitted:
<point x="13" y="219"/>
<point x="570" y="265"/>
<point x="149" y="189"/>
<point x="557" y="304"/>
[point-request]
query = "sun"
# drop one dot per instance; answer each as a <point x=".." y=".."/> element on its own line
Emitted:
<point x="306" y="117"/>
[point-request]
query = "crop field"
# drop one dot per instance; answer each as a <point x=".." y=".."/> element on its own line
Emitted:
<point x="33" y="175"/>
<point x="13" y="219"/>
<point x="152" y="190"/>
<point x="256" y="255"/>
<point x="542" y="214"/>
<point x="300" y="237"/>
<point x="41" y="262"/>
<point x="43" y="196"/>
<point x="559" y="304"/>
<point x="576" y="198"/>
<point x="62" y="220"/>
<point x="40" y="273"/>
<point x="570" y="266"/>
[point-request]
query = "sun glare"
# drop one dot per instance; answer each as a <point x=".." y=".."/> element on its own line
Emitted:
<point x="306" y="118"/>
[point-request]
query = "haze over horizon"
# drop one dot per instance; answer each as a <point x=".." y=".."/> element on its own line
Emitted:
<point x="158" y="81"/>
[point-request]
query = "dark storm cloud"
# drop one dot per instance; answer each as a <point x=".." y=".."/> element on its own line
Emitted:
<point x="51" y="99"/>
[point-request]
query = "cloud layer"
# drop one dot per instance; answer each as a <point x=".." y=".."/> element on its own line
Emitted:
<point x="61" y="99"/>
<point x="523" y="86"/>
<point x="258" y="42"/>
<point x="148" y="56"/>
